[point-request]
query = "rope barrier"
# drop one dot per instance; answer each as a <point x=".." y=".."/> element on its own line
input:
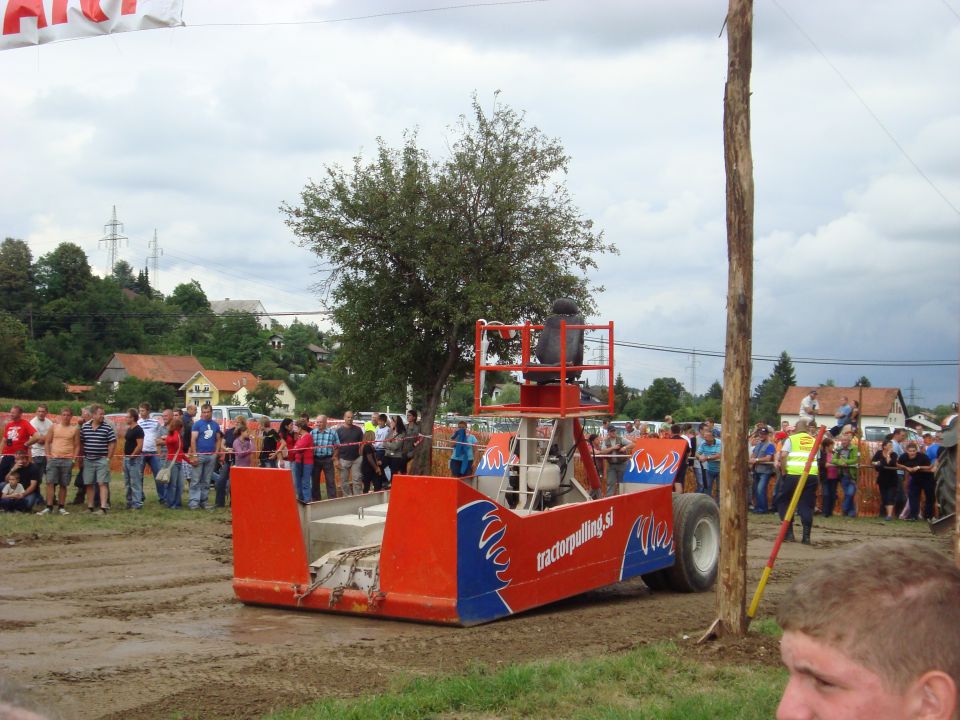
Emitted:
<point x="228" y="451"/>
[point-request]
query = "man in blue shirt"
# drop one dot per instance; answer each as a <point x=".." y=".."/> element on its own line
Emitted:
<point x="843" y="416"/>
<point x="931" y="447"/>
<point x="206" y="439"/>
<point x="709" y="456"/>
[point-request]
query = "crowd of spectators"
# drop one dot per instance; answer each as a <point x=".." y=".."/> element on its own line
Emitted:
<point x="189" y="455"/>
<point x="905" y="470"/>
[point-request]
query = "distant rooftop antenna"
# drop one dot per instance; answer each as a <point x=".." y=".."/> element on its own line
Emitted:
<point x="153" y="259"/>
<point x="112" y="237"/>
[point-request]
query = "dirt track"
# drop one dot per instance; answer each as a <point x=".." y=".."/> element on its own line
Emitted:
<point x="117" y="626"/>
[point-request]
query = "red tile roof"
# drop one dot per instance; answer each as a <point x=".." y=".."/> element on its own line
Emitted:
<point x="874" y="403"/>
<point x="160" y="368"/>
<point x="77" y="389"/>
<point x="230" y="379"/>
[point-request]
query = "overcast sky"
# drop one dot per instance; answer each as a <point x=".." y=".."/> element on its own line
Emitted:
<point x="201" y="132"/>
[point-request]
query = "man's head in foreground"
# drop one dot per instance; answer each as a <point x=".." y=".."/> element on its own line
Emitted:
<point x="873" y="633"/>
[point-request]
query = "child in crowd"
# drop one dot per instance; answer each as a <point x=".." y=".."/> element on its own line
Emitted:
<point x="12" y="493"/>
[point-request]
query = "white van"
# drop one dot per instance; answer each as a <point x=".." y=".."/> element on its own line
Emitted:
<point x="226" y="415"/>
<point x="876" y="433"/>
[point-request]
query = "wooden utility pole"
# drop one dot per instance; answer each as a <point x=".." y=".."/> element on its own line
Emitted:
<point x="738" y="161"/>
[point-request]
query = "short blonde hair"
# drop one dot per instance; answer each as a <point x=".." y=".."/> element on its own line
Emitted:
<point x="856" y="600"/>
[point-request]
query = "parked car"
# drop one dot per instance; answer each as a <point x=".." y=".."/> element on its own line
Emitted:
<point x="226" y="415"/>
<point x="876" y="433"/>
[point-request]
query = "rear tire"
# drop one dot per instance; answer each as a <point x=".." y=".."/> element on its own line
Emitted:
<point x="696" y="543"/>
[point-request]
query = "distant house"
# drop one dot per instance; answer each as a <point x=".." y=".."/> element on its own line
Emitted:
<point x="216" y="387"/>
<point x="286" y="400"/>
<point x="276" y="341"/>
<point x="171" y="370"/>
<point x="878" y="406"/>
<point x="255" y="307"/>
<point x="76" y="390"/>
<point x="321" y="354"/>
<point x="922" y="423"/>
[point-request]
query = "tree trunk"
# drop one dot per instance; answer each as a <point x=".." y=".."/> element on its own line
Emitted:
<point x="732" y="590"/>
<point x="423" y="456"/>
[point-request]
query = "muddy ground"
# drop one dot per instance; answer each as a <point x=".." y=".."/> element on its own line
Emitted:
<point x="145" y="625"/>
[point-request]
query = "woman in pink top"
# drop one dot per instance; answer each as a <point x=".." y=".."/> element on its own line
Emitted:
<point x="302" y="459"/>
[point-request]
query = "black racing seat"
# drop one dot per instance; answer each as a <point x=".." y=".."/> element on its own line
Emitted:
<point x="547" y="351"/>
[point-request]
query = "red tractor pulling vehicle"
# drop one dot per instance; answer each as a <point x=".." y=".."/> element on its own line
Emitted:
<point x="521" y="533"/>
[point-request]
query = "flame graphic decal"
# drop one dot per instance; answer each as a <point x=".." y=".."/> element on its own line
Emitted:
<point x="495" y="553"/>
<point x="492" y="459"/>
<point x="649" y="546"/>
<point x="483" y="561"/>
<point x="669" y="463"/>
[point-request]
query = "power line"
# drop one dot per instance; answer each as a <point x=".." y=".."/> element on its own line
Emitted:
<point x="39" y="313"/>
<point x="950" y="8"/>
<point x="863" y="102"/>
<point x="798" y="360"/>
<point x="372" y="16"/>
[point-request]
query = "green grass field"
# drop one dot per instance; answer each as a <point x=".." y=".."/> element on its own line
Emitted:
<point x="118" y="519"/>
<point x="655" y="681"/>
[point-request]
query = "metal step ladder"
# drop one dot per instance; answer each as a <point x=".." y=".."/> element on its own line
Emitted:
<point x="527" y="496"/>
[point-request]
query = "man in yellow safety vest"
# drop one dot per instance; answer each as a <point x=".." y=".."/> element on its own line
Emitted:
<point x="793" y="458"/>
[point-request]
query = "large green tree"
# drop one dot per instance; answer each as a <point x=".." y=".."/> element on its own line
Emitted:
<point x="63" y="273"/>
<point x="123" y="274"/>
<point x="16" y="358"/>
<point x="17" y="289"/>
<point x="620" y="395"/>
<point x="321" y="391"/>
<point x="237" y="341"/>
<point x="189" y="298"/>
<point x="715" y="391"/>
<point x="133" y="391"/>
<point x="415" y="250"/>
<point x="767" y="398"/>
<point x="785" y="371"/>
<point x="263" y="398"/>
<point x="294" y="355"/>
<point x="663" y="397"/>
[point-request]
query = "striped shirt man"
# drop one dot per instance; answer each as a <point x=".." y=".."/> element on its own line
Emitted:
<point x="151" y="430"/>
<point x="96" y="440"/>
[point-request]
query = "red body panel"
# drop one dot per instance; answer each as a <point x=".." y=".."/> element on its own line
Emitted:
<point x="449" y="553"/>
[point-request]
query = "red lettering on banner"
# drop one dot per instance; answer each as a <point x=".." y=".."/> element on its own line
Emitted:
<point x="19" y="9"/>
<point x="91" y="10"/>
